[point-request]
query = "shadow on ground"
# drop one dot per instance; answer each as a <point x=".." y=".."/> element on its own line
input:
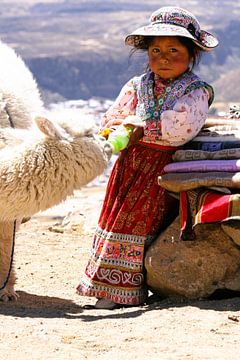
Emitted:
<point x="220" y="300"/>
<point x="30" y="305"/>
<point x="36" y="306"/>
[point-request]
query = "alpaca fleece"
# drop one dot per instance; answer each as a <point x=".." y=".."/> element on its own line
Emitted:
<point x="41" y="162"/>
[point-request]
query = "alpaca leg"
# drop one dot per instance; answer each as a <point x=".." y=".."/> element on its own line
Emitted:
<point x="6" y="243"/>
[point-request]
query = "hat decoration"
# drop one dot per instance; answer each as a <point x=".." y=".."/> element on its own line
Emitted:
<point x="173" y="21"/>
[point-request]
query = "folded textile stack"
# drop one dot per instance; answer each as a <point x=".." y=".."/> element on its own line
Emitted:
<point x="206" y="173"/>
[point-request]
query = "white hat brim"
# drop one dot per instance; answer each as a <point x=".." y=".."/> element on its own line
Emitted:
<point x="207" y="41"/>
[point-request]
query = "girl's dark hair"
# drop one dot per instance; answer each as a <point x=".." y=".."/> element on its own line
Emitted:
<point x="194" y="51"/>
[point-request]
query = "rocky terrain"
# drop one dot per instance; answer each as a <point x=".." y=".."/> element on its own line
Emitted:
<point x="50" y="321"/>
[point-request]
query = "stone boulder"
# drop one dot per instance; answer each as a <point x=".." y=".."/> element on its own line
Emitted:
<point x="193" y="269"/>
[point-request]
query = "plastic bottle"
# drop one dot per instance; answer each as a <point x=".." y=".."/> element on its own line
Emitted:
<point x="119" y="138"/>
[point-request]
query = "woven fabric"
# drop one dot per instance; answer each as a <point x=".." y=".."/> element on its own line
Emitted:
<point x="178" y="182"/>
<point x="135" y="210"/>
<point x="203" y="166"/>
<point x="192" y="155"/>
<point x="205" y="206"/>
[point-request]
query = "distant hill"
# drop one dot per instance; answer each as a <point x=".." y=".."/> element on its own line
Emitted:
<point x="228" y="86"/>
<point x="76" y="50"/>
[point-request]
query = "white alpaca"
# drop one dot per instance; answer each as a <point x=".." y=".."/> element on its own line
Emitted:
<point x="39" y="165"/>
<point x="19" y="95"/>
<point x="44" y="170"/>
<point x="40" y="172"/>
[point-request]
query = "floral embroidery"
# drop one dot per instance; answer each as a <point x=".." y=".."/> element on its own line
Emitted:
<point x="168" y="114"/>
<point x="155" y="96"/>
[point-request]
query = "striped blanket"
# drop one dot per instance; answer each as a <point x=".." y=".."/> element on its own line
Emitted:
<point x="201" y="206"/>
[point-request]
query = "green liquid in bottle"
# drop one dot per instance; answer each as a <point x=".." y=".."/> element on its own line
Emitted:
<point x="119" y="138"/>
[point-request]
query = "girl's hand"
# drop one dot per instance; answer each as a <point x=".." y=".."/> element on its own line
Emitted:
<point x="136" y="135"/>
<point x="111" y="123"/>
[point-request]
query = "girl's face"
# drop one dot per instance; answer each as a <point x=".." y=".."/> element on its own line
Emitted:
<point x="168" y="57"/>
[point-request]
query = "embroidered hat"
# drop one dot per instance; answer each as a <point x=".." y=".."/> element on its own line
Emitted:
<point x="173" y="21"/>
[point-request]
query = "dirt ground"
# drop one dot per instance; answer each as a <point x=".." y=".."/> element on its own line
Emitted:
<point x="49" y="320"/>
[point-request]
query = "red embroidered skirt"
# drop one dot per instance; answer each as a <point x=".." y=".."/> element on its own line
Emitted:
<point x="134" y="212"/>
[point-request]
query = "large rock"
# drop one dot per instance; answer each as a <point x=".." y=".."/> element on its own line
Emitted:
<point x="193" y="269"/>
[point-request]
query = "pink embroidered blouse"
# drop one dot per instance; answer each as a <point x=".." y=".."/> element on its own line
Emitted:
<point x="178" y="126"/>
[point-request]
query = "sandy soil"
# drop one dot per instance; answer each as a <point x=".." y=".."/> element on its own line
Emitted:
<point x="49" y="320"/>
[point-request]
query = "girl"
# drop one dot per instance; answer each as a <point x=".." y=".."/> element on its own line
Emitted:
<point x="172" y="103"/>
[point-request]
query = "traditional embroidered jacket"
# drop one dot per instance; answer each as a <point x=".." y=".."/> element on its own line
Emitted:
<point x="173" y="111"/>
